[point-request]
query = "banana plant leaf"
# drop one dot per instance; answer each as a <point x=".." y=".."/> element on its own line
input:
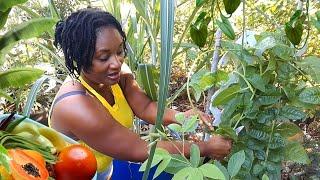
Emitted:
<point x="6" y="4"/>
<point x="18" y="77"/>
<point x="29" y="29"/>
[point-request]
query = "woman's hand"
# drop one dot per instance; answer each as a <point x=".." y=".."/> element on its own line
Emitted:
<point x="205" y="119"/>
<point x="218" y="147"/>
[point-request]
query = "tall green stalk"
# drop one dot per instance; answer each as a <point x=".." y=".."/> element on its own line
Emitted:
<point x="167" y="20"/>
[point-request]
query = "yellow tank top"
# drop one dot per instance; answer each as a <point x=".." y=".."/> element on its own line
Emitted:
<point x="120" y="111"/>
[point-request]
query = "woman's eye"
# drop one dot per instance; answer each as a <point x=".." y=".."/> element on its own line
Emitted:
<point x="120" y="53"/>
<point x="104" y="58"/>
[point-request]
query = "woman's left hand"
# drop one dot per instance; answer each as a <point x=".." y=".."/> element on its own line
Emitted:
<point x="204" y="118"/>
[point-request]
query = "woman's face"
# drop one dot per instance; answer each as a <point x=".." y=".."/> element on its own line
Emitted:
<point x="108" y="57"/>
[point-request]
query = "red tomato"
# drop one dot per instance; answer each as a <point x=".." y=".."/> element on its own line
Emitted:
<point x="75" y="162"/>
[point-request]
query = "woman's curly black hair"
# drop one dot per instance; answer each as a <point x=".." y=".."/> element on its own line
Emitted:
<point x="77" y="37"/>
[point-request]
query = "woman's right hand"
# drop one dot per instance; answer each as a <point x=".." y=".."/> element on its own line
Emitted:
<point x="218" y="147"/>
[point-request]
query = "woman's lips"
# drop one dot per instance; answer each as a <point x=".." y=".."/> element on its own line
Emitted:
<point x="114" y="76"/>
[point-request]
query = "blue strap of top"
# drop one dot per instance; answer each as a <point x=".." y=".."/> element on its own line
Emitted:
<point x="71" y="93"/>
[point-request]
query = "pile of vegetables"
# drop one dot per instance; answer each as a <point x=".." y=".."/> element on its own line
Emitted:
<point x="29" y="152"/>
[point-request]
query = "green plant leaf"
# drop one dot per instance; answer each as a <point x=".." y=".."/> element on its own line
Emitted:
<point x="316" y="23"/>
<point x="222" y="169"/>
<point x="226" y="95"/>
<point x="199" y="2"/>
<point x="4" y="158"/>
<point x="145" y="73"/>
<point x="262" y="46"/>
<point x="257" y="82"/>
<point x="26" y="30"/>
<point x="6" y="95"/>
<point x="175" y="127"/>
<point x="18" y="77"/>
<point x="294" y="33"/>
<point x="311" y="66"/>
<point x="258" y="134"/>
<point x="231" y="5"/>
<point x="226" y="27"/>
<point x="227" y="132"/>
<point x="159" y="155"/>
<point x="265" y="177"/>
<point x="247" y="165"/>
<point x="32" y="96"/>
<point x="235" y="163"/>
<point x="283" y="51"/>
<point x="292" y="113"/>
<point x="288" y="129"/>
<point x="196" y="174"/>
<point x="267" y="115"/>
<point x="29" y="11"/>
<point x="161" y="167"/>
<point x="211" y="171"/>
<point x="310" y="95"/>
<point x="183" y="173"/>
<point x="199" y="35"/>
<point x="5" y="5"/>
<point x="166" y="28"/>
<point x="267" y="100"/>
<point x="277" y="142"/>
<point x="53" y="10"/>
<point x="295" y="152"/>
<point x="4" y="17"/>
<point x="257" y="169"/>
<point x="203" y="80"/>
<point x="177" y="163"/>
<point x="194" y="155"/>
<point x="190" y="125"/>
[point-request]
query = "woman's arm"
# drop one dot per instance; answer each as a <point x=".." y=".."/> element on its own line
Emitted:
<point x="142" y="106"/>
<point x="89" y="121"/>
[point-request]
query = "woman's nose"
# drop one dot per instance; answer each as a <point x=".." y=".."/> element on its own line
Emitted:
<point x="116" y="61"/>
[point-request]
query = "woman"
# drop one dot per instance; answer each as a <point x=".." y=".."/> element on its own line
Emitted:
<point x="98" y="106"/>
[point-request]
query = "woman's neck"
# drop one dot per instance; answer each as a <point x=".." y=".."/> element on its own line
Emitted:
<point x="96" y="86"/>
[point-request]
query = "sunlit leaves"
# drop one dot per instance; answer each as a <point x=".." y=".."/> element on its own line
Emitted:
<point x="288" y="129"/>
<point x="311" y="66"/>
<point x="295" y="152"/>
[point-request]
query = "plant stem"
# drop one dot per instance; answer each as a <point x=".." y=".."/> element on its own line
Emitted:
<point x="270" y="139"/>
<point x="247" y="82"/>
<point x="243" y="23"/>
